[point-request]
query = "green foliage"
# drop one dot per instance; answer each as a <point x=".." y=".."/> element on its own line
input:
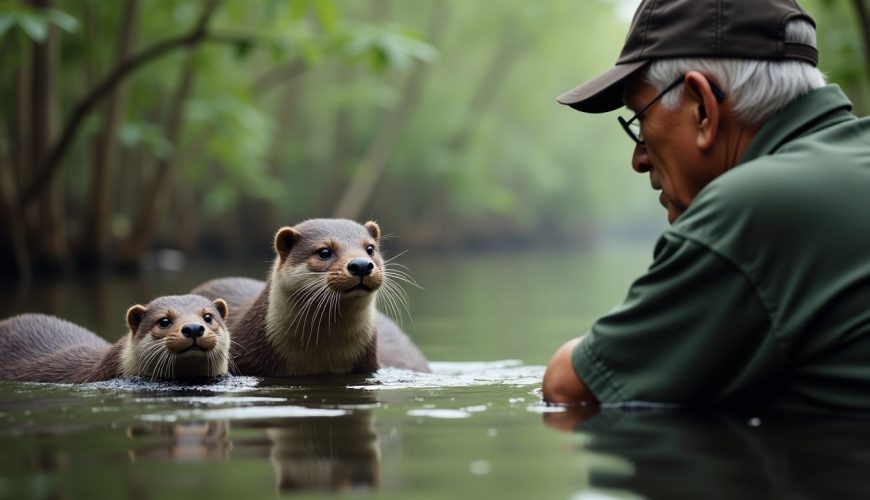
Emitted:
<point x="34" y="22"/>
<point x="289" y="97"/>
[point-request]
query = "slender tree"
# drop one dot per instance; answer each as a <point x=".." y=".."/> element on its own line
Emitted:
<point x="864" y="21"/>
<point x="101" y="200"/>
<point x="374" y="163"/>
<point x="156" y="195"/>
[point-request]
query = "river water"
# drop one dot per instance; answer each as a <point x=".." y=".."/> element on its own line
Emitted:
<point x="474" y="428"/>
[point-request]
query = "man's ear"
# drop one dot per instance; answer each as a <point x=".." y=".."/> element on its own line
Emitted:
<point x="706" y="110"/>
<point x="285" y="238"/>
<point x="134" y="317"/>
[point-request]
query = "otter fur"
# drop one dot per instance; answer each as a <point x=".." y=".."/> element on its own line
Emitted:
<point x="316" y="311"/>
<point x="173" y="337"/>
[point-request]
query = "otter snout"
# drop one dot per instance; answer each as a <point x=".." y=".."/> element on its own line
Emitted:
<point x="360" y="267"/>
<point x="193" y="330"/>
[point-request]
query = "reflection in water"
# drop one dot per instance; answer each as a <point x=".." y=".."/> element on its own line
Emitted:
<point x="684" y="455"/>
<point x="334" y="454"/>
<point x="182" y="442"/>
<point x="338" y="454"/>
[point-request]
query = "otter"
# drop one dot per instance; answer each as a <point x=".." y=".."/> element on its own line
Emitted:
<point x="316" y="313"/>
<point x="173" y="337"/>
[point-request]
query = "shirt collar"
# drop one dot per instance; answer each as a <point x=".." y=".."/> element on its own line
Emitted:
<point x="820" y="108"/>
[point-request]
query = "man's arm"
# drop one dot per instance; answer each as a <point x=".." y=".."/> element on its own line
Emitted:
<point x="561" y="383"/>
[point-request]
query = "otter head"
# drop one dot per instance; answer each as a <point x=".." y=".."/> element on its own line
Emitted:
<point x="343" y="257"/>
<point x="182" y="336"/>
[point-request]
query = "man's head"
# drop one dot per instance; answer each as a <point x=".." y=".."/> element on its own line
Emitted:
<point x="703" y="75"/>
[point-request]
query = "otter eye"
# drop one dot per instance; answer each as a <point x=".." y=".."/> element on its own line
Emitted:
<point x="324" y="253"/>
<point x="370" y="249"/>
<point x="164" y="322"/>
<point x="207" y="317"/>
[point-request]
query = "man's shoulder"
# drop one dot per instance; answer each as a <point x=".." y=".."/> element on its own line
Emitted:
<point x="775" y="196"/>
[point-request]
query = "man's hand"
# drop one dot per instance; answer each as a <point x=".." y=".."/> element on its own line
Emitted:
<point x="561" y="383"/>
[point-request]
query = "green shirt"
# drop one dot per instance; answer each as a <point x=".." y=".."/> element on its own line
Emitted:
<point x="760" y="290"/>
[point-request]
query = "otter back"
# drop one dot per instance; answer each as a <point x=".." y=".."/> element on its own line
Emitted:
<point x="42" y="348"/>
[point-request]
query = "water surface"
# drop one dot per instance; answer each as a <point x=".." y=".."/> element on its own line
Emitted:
<point x="474" y="428"/>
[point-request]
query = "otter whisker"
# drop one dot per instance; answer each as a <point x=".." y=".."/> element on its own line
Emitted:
<point x="236" y="345"/>
<point x="157" y="367"/>
<point x="402" y="276"/>
<point x="398" y="297"/>
<point x="302" y="313"/>
<point x="299" y="314"/>
<point x="151" y="355"/>
<point x="390" y="302"/>
<point x="397" y="289"/>
<point x="318" y="302"/>
<point x="161" y="364"/>
<point x="394" y="257"/>
<point x="299" y="294"/>
<point x="303" y="291"/>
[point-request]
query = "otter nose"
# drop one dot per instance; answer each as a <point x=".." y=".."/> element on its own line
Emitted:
<point x="360" y="267"/>
<point x="192" y="330"/>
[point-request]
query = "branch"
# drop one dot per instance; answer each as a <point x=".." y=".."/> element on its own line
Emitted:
<point x="278" y="75"/>
<point x="49" y="167"/>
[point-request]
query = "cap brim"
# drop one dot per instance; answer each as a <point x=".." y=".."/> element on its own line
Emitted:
<point x="604" y="92"/>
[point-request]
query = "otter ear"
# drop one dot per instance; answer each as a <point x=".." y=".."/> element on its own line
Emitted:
<point x="221" y="307"/>
<point x="373" y="229"/>
<point x="284" y="241"/>
<point x="135" y="315"/>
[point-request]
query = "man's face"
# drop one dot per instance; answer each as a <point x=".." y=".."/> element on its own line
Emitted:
<point x="670" y="154"/>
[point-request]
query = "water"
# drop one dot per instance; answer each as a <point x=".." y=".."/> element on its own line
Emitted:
<point x="474" y="428"/>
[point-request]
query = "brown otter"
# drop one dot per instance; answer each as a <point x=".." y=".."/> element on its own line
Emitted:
<point x="316" y="311"/>
<point x="173" y="337"/>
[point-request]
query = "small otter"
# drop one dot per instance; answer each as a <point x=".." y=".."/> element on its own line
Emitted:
<point x="172" y="337"/>
<point x="316" y="311"/>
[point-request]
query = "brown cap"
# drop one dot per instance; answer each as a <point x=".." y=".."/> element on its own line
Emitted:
<point x="667" y="29"/>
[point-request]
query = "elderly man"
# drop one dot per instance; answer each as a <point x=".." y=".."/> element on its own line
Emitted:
<point x="759" y="292"/>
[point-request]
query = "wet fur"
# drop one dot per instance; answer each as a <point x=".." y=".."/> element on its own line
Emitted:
<point x="42" y="348"/>
<point x="275" y="335"/>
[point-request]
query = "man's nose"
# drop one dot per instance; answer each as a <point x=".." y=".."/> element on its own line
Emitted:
<point x="640" y="159"/>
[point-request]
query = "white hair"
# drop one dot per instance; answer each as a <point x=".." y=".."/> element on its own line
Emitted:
<point x="756" y="89"/>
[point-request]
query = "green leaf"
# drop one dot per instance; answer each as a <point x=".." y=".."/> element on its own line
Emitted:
<point x="34" y="26"/>
<point x="6" y="22"/>
<point x="243" y="48"/>
<point x="327" y="14"/>
<point x="299" y="9"/>
<point x="62" y="20"/>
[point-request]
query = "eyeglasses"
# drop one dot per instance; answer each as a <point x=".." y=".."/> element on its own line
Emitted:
<point x="632" y="125"/>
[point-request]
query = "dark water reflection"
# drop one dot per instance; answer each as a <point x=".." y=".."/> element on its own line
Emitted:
<point x="475" y="428"/>
<point x="677" y="454"/>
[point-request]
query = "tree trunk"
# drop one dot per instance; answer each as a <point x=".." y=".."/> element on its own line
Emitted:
<point x="156" y="194"/>
<point x="864" y="21"/>
<point x="48" y="234"/>
<point x="492" y="80"/>
<point x="373" y="165"/>
<point x="14" y="254"/>
<point x="47" y="169"/>
<point x="13" y="245"/>
<point x="94" y="245"/>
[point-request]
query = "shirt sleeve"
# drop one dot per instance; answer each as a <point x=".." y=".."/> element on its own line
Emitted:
<point x="692" y="330"/>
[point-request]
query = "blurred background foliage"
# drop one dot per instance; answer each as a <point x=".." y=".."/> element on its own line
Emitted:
<point x="203" y="125"/>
